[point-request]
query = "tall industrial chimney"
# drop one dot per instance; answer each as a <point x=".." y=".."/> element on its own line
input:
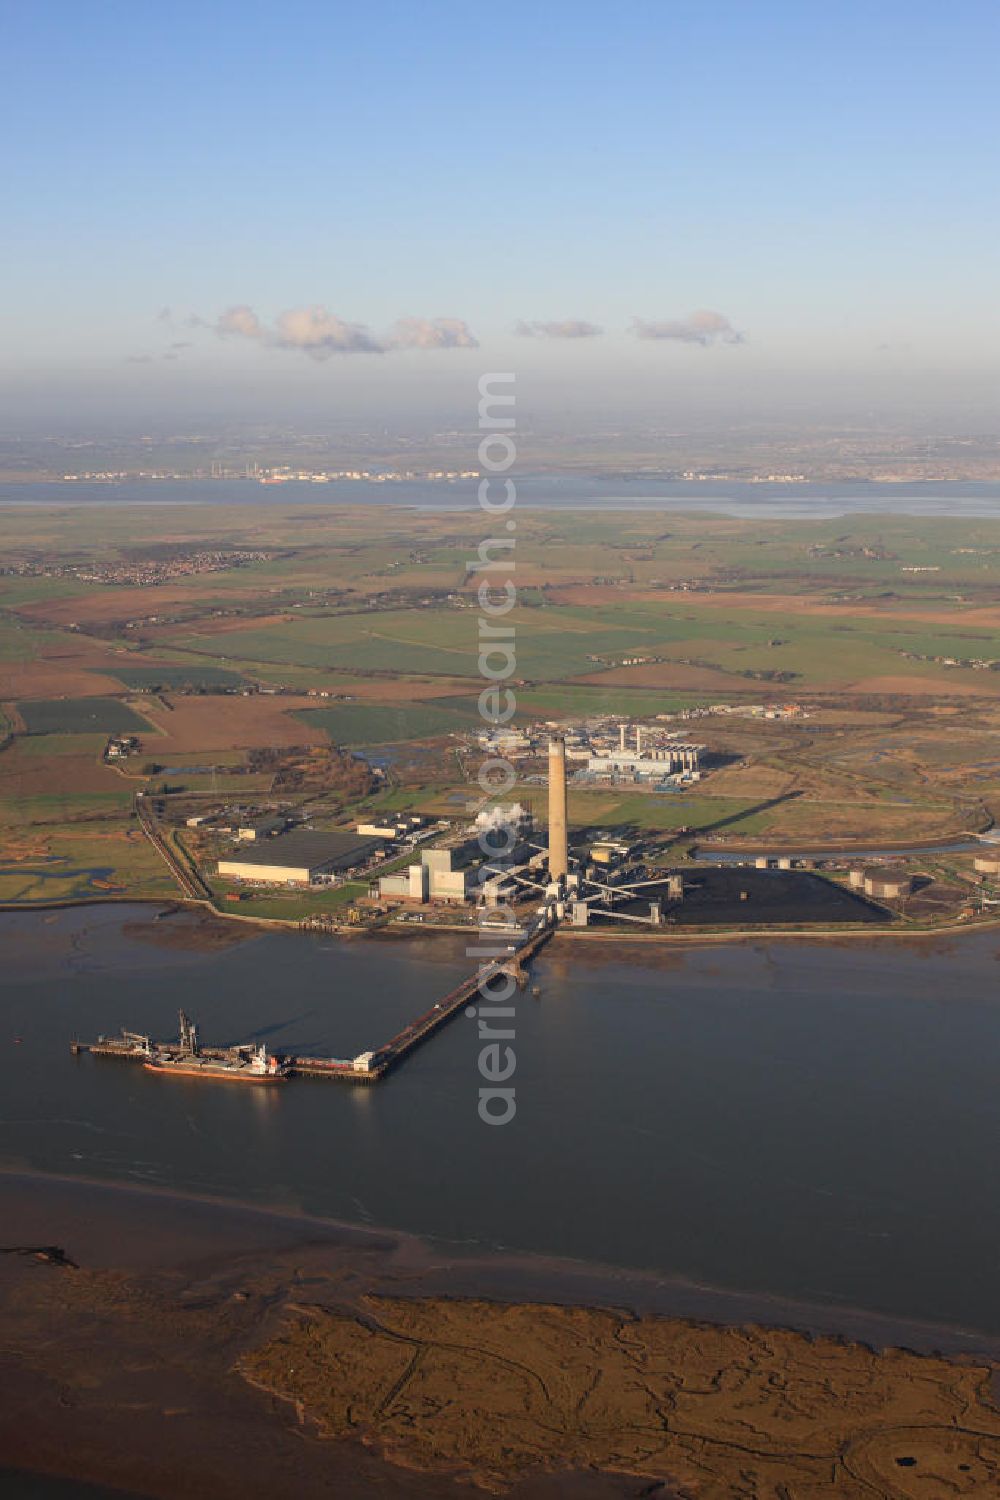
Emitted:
<point x="558" y="848"/>
<point x="621" y="737"/>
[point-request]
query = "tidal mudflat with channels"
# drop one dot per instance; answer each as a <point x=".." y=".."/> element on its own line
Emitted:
<point x="283" y="1355"/>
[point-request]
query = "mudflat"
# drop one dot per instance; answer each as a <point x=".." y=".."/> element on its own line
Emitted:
<point x="228" y="1351"/>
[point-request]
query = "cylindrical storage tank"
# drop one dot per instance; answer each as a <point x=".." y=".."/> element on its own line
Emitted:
<point x="785" y="862"/>
<point x="887" y="885"/>
<point x="856" y="879"/>
<point x="987" y="864"/>
<point x="761" y="862"/>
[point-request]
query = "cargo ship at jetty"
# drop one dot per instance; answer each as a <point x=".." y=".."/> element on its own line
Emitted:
<point x="186" y="1058"/>
<point x="247" y="1065"/>
<point x="251" y="1062"/>
<point x="241" y="1064"/>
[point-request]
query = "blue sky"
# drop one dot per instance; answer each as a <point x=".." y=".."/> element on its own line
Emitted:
<point x="823" y="178"/>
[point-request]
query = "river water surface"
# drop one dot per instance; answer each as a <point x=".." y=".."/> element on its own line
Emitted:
<point x="812" y="1121"/>
<point x="575" y="492"/>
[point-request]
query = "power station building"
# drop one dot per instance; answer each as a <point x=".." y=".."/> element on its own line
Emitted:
<point x="450" y="875"/>
<point x="646" y="762"/>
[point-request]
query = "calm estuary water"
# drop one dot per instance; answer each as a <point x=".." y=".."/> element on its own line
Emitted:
<point x="549" y="492"/>
<point x="815" y="1122"/>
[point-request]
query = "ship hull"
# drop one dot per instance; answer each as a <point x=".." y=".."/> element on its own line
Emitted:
<point x="216" y="1075"/>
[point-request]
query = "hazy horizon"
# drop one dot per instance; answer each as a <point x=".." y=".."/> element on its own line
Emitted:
<point x="682" y="214"/>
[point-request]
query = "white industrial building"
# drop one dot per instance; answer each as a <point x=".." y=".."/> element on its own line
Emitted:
<point x="450" y="875"/>
<point x="646" y="761"/>
<point x="441" y="875"/>
<point x="391" y="828"/>
<point x="665" y="760"/>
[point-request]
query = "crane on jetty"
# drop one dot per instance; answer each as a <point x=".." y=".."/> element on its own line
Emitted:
<point x="367" y="1067"/>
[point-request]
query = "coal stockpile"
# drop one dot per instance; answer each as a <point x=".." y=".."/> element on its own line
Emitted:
<point x="751" y="897"/>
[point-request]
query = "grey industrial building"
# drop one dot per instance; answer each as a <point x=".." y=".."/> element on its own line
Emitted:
<point x="298" y="858"/>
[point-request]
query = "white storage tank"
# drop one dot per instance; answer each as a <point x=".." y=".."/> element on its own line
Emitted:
<point x="887" y="885"/>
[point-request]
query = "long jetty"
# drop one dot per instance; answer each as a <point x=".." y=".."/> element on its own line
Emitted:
<point x="368" y="1067"/>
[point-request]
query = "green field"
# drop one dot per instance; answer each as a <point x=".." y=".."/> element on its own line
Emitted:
<point x="156" y="677"/>
<point x="555" y="643"/>
<point x="289" y="905"/>
<point x="389" y="723"/>
<point x="593" y="699"/>
<point x="22" y="642"/>
<point x="78" y="715"/>
<point x="549" y="643"/>
<point x="38" y="746"/>
<point x="64" y="807"/>
<point x="607" y="807"/>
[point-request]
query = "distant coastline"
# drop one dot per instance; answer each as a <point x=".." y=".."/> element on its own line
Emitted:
<point x="741" y="499"/>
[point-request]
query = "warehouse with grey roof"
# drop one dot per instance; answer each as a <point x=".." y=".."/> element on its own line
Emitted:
<point x="298" y="858"/>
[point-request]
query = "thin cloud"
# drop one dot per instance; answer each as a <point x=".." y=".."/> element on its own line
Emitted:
<point x="431" y="333"/>
<point x="702" y="327"/>
<point x="240" y="321"/>
<point x="568" y="328"/>
<point x="320" y="333"/>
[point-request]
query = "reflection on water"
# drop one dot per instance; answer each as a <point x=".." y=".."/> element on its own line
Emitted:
<point x="818" y="1121"/>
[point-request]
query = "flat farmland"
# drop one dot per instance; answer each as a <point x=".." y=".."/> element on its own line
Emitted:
<point x="21" y="642"/>
<point x="55" y="678"/>
<point x="388" y="641"/>
<point x="21" y="810"/>
<point x="80" y="715"/>
<point x="413" y="690"/>
<point x="944" y="682"/>
<point x="195" y="724"/>
<point x="672" y="677"/>
<point x="354" y="605"/>
<point x="385" y="687"/>
<point x="152" y="676"/>
<point x="25" y="773"/>
<point x="601" y="694"/>
<point x="387" y="723"/>
<point x="94" y="605"/>
<point x="51" y="664"/>
<point x="39" y="746"/>
<point x="823" y="651"/>
<point x="549" y="643"/>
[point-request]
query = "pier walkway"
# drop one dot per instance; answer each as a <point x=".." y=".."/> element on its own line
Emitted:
<point x="368" y="1067"/>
